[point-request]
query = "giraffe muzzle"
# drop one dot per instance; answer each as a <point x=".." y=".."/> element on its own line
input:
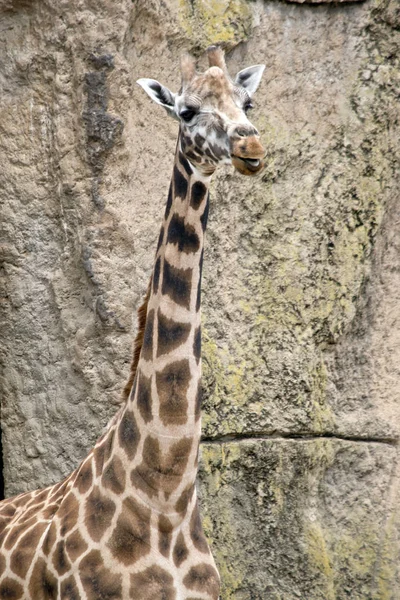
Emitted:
<point x="247" y="155"/>
<point x="247" y="166"/>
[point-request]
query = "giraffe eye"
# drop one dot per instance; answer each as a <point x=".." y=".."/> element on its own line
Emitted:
<point x="187" y="114"/>
<point x="248" y="106"/>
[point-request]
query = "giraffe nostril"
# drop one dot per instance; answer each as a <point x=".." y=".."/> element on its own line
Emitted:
<point x="245" y="132"/>
<point x="242" y="132"/>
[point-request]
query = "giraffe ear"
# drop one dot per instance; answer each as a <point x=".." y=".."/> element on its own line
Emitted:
<point x="159" y="93"/>
<point x="250" y="78"/>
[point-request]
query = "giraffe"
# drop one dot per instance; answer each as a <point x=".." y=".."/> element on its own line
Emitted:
<point x="126" y="523"/>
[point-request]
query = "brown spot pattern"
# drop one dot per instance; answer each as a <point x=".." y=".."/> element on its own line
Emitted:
<point x="184" y="499"/>
<point x="58" y="490"/>
<point x="165" y="535"/>
<point x="31" y="512"/>
<point x="75" y="545"/>
<point x="99" y="511"/>
<point x="8" y="510"/>
<point x="154" y="582"/>
<point x="180" y="183"/>
<point x="23" y="553"/>
<point x="203" y="578"/>
<point x="204" y="216"/>
<point x="161" y="473"/>
<point x="68" y="513"/>
<point x="10" y="589"/>
<point x="103" y="452"/>
<point x="197" y="344"/>
<point x="196" y="531"/>
<point x="131" y="537"/>
<point x="172" y="386"/>
<point x="198" y="299"/>
<point x="147" y="348"/>
<point x="98" y="455"/>
<point x="197" y="194"/>
<point x="185" y="164"/>
<point x="69" y="590"/>
<point x="177" y="284"/>
<point x="183" y="235"/>
<point x="50" y="539"/>
<point x="129" y="435"/>
<point x="85" y="477"/>
<point x="144" y="401"/>
<point x="49" y="511"/>
<point x="114" y="476"/>
<point x="169" y="202"/>
<point x="160" y="238"/>
<point x="60" y="560"/>
<point x="40" y="496"/>
<point x="180" y="552"/>
<point x="42" y="584"/>
<point x="199" y="140"/>
<point x="22" y="499"/>
<point x="192" y="155"/>
<point x="170" y="334"/>
<point x="16" y="532"/>
<point x="156" y="275"/>
<point x="199" y="395"/>
<point x="99" y="582"/>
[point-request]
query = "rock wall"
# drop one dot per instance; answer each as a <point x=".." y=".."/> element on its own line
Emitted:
<point x="300" y="474"/>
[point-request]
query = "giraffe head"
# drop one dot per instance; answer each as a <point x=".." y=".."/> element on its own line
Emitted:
<point x="212" y="111"/>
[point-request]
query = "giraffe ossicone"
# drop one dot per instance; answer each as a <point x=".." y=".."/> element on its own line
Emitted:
<point x="126" y="523"/>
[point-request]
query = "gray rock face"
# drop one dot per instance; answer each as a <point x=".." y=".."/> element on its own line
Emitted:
<point x="302" y="519"/>
<point x="299" y="476"/>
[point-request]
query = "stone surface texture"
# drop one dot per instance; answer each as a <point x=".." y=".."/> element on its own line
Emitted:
<point x="300" y="476"/>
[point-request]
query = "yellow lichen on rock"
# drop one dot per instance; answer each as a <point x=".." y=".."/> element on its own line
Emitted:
<point x="319" y="557"/>
<point x="216" y="461"/>
<point x="206" y="22"/>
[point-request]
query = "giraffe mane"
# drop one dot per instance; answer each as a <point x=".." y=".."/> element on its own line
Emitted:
<point x="138" y="343"/>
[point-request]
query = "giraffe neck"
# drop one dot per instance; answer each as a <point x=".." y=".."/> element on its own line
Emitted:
<point x="163" y="411"/>
<point x="126" y="522"/>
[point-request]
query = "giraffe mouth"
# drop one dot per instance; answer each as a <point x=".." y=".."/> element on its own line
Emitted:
<point x="247" y="166"/>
